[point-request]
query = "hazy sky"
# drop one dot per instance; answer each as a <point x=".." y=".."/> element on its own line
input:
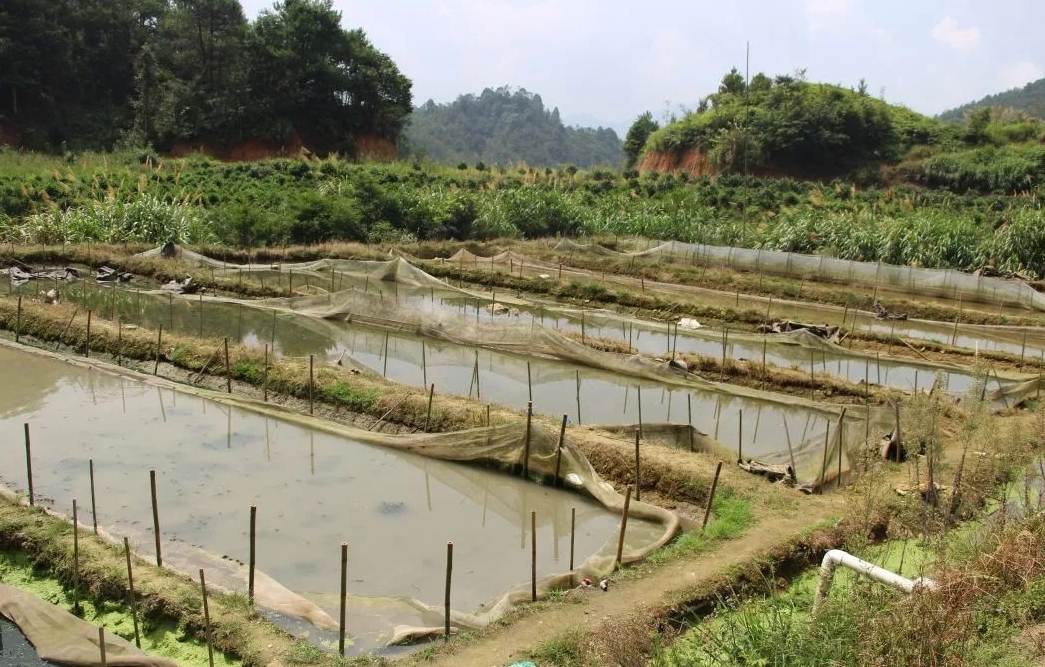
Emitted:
<point x="607" y="61"/>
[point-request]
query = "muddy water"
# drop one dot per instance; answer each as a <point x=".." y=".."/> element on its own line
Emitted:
<point x="585" y="395"/>
<point x="313" y="491"/>
<point x="1000" y="339"/>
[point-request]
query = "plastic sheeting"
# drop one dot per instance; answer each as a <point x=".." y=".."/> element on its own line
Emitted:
<point x="60" y="637"/>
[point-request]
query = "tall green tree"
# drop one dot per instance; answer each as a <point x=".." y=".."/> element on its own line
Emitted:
<point x="329" y="85"/>
<point x="637" y="135"/>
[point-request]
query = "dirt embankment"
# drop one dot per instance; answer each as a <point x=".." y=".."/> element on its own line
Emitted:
<point x="691" y="161"/>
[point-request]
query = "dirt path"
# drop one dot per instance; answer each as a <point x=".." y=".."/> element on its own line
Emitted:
<point x="505" y="644"/>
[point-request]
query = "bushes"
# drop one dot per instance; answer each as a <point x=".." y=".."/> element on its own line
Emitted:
<point x="1008" y="169"/>
<point x="145" y="218"/>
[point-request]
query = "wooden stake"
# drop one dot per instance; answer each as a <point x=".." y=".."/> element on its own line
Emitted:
<point x="119" y="341"/>
<point x="206" y="619"/>
<point x="384" y="357"/>
<point x="533" y="556"/>
<point x="131" y="601"/>
<point x="311" y="383"/>
<point x="155" y="518"/>
<point x="94" y="509"/>
<point x="87" y="343"/>
<point x="18" y="321"/>
<point x="29" y="465"/>
<point x="159" y="341"/>
<point x="689" y="418"/>
<point x="526" y="445"/>
<point x="424" y="366"/>
<point x="578" y="397"/>
<point x="623" y="526"/>
<point x="638" y="470"/>
<point x="101" y="647"/>
<point x="428" y="416"/>
<point x="529" y="382"/>
<point x="823" y="464"/>
<point x="446" y="601"/>
<point x="573" y="533"/>
<point x="76" y="559"/>
<point x="740" y="436"/>
<point x="201" y="314"/>
<point x="558" y="451"/>
<point x="711" y="497"/>
<point x="344" y="594"/>
<point x="253" y="553"/>
<point x="265" y="377"/>
<point x="228" y="369"/>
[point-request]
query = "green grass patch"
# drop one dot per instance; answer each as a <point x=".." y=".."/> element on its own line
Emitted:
<point x="731" y="515"/>
<point x="162" y="639"/>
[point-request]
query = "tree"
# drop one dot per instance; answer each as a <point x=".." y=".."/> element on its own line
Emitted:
<point x="329" y="85"/>
<point x="637" y="135"/>
<point x="732" y="83"/>
<point x="976" y="128"/>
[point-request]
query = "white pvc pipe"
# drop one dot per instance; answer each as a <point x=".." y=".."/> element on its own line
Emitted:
<point x="836" y="557"/>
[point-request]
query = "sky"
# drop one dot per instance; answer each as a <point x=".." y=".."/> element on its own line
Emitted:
<point x="603" y="62"/>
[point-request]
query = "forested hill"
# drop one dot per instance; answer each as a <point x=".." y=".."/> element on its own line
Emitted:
<point x="77" y="74"/>
<point x="1029" y="100"/>
<point x="502" y="126"/>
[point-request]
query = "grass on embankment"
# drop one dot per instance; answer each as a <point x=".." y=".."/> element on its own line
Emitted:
<point x="163" y="597"/>
<point x="158" y="637"/>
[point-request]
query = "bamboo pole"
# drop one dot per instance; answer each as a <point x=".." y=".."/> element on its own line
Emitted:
<point x="428" y="415"/>
<point x="311" y="383"/>
<point x="18" y="321"/>
<point x="87" y="342"/>
<point x="344" y="593"/>
<point x="155" y="518"/>
<point x="29" y="465"/>
<point x="623" y="526"/>
<point x="711" y="497"/>
<point x="265" y="377"/>
<point x="253" y="553"/>
<point x="638" y="469"/>
<point x="76" y="559"/>
<point x="823" y="464"/>
<point x="94" y="508"/>
<point x="131" y="601"/>
<point x="533" y="556"/>
<point x="228" y="368"/>
<point x="573" y="533"/>
<point x="446" y="601"/>
<point x="558" y="451"/>
<point x="206" y="620"/>
<point x="101" y="647"/>
<point x="526" y="445"/>
<point x="740" y="436"/>
<point x="159" y="341"/>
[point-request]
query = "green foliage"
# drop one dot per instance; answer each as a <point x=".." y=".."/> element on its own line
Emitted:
<point x="810" y="128"/>
<point x="1011" y="169"/>
<point x="636" y="138"/>
<point x="1029" y="100"/>
<point x="135" y="197"/>
<point x="502" y="126"/>
<point x="359" y="400"/>
<point x="193" y="72"/>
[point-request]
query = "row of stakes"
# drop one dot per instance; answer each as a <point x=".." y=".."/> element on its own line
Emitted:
<point x="132" y="600"/>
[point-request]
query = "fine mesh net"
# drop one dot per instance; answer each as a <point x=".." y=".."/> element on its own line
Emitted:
<point x="947" y="283"/>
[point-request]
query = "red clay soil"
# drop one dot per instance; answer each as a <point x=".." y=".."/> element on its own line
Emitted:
<point x="245" y="151"/>
<point x="690" y="161"/>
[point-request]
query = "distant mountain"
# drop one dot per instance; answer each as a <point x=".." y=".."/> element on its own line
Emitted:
<point x="1030" y="100"/>
<point x="505" y="126"/>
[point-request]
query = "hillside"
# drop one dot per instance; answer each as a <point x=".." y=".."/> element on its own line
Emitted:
<point x="505" y="126"/>
<point x="1029" y="100"/>
<point x="786" y="125"/>
<point x="789" y="127"/>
